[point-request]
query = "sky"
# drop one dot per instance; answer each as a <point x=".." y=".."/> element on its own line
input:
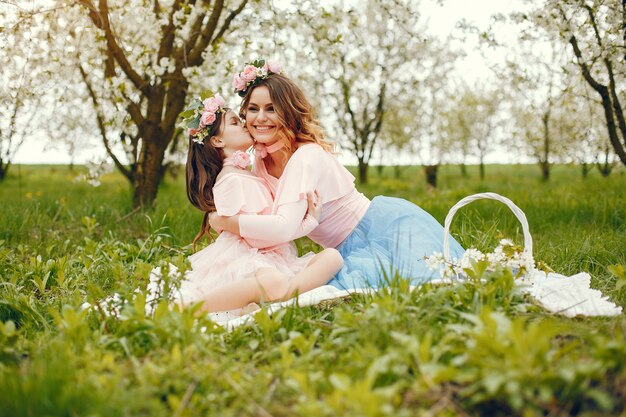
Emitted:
<point x="441" y="18"/>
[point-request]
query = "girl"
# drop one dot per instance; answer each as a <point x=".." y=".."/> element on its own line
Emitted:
<point x="377" y="238"/>
<point x="231" y="273"/>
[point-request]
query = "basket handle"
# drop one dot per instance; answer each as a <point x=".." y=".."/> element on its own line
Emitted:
<point x="528" y="240"/>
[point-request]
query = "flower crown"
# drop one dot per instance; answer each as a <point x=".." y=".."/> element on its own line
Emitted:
<point x="253" y="73"/>
<point x="201" y="114"/>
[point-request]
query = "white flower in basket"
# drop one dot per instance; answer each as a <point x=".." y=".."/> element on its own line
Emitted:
<point x="558" y="293"/>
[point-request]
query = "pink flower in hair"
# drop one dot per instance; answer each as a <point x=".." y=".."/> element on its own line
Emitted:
<point x="194" y="132"/>
<point x="274" y="67"/>
<point x="207" y="118"/>
<point x="241" y="159"/>
<point x="239" y="83"/>
<point x="220" y="101"/>
<point x="211" y="105"/>
<point x="249" y="73"/>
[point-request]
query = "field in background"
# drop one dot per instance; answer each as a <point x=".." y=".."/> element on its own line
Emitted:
<point x="577" y="224"/>
<point x="480" y="349"/>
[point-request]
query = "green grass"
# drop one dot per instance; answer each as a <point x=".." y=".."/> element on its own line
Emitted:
<point x="477" y="349"/>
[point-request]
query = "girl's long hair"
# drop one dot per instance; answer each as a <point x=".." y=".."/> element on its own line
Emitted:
<point x="204" y="163"/>
<point x="296" y="114"/>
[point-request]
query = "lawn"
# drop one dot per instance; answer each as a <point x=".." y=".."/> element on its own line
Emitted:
<point x="473" y="349"/>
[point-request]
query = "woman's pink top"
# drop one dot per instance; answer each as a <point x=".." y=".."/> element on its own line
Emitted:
<point x="241" y="193"/>
<point x="310" y="168"/>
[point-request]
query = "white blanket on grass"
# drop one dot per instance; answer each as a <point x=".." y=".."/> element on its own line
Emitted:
<point x="560" y="294"/>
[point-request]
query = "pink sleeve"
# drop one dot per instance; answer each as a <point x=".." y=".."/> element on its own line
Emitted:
<point x="236" y="193"/>
<point x="312" y="168"/>
<point x="286" y="225"/>
<point x="306" y="226"/>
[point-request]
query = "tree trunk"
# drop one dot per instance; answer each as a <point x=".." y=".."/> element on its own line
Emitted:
<point x="544" y="161"/>
<point x="397" y="171"/>
<point x="606" y="167"/>
<point x="464" y="170"/>
<point x="3" y="170"/>
<point x="362" y="171"/>
<point x="431" y="174"/>
<point x="149" y="171"/>
<point x="156" y="121"/>
<point x="545" y="170"/>
<point x="607" y="103"/>
<point x="379" y="170"/>
<point x="482" y="170"/>
<point x="585" y="169"/>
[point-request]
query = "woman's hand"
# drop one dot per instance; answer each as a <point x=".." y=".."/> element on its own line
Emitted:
<point x="214" y="221"/>
<point x="314" y="206"/>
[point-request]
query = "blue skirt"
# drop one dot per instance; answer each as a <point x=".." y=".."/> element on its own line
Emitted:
<point x="392" y="238"/>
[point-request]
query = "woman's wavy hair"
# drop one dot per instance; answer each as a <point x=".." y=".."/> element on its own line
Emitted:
<point x="296" y="114"/>
<point x="204" y="163"/>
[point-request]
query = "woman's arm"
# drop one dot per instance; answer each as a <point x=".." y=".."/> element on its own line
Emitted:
<point x="287" y="224"/>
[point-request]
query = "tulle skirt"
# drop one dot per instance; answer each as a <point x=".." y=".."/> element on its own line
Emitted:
<point x="230" y="258"/>
<point x="393" y="237"/>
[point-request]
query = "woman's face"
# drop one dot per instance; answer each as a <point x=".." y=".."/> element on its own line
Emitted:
<point x="261" y="118"/>
<point x="235" y="136"/>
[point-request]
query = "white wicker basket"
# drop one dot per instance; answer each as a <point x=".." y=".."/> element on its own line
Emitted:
<point x="570" y="296"/>
<point x="528" y="240"/>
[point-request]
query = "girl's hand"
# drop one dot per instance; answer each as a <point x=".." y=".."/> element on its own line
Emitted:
<point x="315" y="207"/>
<point x="214" y="221"/>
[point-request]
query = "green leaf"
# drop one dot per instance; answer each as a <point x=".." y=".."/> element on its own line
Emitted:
<point x="194" y="124"/>
<point x="195" y="104"/>
<point x="604" y="400"/>
<point x="206" y="94"/>
<point x="187" y="113"/>
<point x="620" y="272"/>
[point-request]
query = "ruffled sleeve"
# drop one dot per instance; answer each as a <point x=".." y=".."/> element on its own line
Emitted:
<point x="241" y="194"/>
<point x="309" y="168"/>
<point x="312" y="168"/>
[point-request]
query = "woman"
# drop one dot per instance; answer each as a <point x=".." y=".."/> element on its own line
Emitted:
<point x="377" y="238"/>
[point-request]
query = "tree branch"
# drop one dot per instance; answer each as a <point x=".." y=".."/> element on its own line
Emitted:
<point x="583" y="66"/>
<point x="156" y="8"/>
<point x="379" y="115"/>
<point x="617" y="106"/>
<point x="604" y="93"/>
<point x="229" y="20"/>
<point x="167" y="41"/>
<point x="195" y="56"/>
<point x="592" y="18"/>
<point x="100" y="119"/>
<point x="100" y="18"/>
<point x="175" y="102"/>
<point x="194" y="33"/>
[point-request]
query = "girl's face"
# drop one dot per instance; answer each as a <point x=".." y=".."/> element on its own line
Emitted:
<point x="234" y="137"/>
<point x="261" y="118"/>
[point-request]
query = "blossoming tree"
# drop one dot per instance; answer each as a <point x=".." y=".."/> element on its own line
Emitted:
<point x="138" y="60"/>
<point x="21" y="84"/>
<point x="369" y="54"/>
<point x="593" y="30"/>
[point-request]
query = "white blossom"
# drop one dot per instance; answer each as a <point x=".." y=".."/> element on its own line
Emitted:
<point x="516" y="260"/>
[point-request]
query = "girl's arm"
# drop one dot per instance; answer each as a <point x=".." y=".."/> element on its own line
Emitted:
<point x="287" y="224"/>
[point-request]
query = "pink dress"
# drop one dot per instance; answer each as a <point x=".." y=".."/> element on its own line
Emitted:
<point x="231" y="258"/>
